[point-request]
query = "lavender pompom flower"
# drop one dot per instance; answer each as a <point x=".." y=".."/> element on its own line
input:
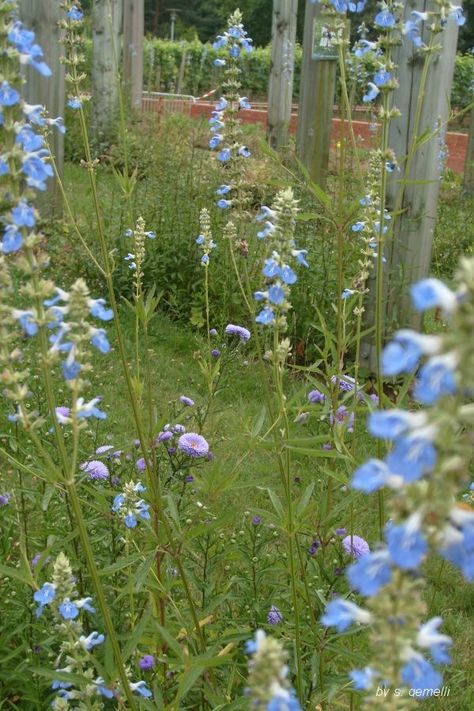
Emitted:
<point x="4" y="499"/>
<point x="95" y="469"/>
<point x="355" y="546"/>
<point x="186" y="401"/>
<point x="316" y="397"/>
<point x="194" y="445"/>
<point x="147" y="662"/>
<point x="240" y="331"/>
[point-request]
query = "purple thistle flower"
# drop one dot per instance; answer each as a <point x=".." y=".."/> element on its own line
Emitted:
<point x="316" y="397"/>
<point x="355" y="546"/>
<point x="140" y="464"/>
<point x="274" y="616"/>
<point x="186" y="401"/>
<point x="147" y="662"/>
<point x="194" y="445"/>
<point x="215" y="353"/>
<point x="4" y="499"/>
<point x="95" y="469"/>
<point x="240" y="331"/>
<point x="256" y="520"/>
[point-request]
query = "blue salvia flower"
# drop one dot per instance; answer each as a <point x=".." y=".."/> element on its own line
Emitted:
<point x="278" y="230"/>
<point x="268" y="685"/>
<point x="426" y="467"/>
<point x="129" y="506"/>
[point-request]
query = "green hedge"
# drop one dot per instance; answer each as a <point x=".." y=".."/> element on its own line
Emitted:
<point x="163" y="65"/>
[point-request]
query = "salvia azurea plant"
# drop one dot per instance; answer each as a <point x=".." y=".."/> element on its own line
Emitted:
<point x="154" y="597"/>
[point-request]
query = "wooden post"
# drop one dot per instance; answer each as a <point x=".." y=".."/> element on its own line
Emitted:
<point x="318" y="84"/>
<point x="133" y="28"/>
<point x="106" y="20"/>
<point x="42" y="18"/>
<point x="408" y="251"/>
<point x="469" y="161"/>
<point x="280" y="90"/>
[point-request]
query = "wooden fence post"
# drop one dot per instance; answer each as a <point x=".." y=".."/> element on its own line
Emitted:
<point x="42" y="18"/>
<point x="106" y="20"/>
<point x="317" y="89"/>
<point x="280" y="89"/>
<point x="133" y="29"/>
<point x="408" y="251"/>
<point x="469" y="161"/>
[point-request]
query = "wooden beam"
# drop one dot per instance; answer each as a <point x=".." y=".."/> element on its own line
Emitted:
<point x="106" y="20"/>
<point x="43" y="17"/>
<point x="408" y="249"/>
<point x="280" y="90"/>
<point x="133" y="28"/>
<point x="317" y="90"/>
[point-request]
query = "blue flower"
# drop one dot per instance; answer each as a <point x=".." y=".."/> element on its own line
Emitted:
<point x="419" y="674"/>
<point x="457" y="15"/>
<point x="219" y="62"/>
<point x="27" y="321"/>
<point x="401" y="355"/>
<point x="370" y="476"/>
<point x="412" y="456"/>
<point x="436" y="379"/>
<point x="44" y="596"/>
<point x="68" y="610"/>
<point x="71" y="369"/>
<point x="406" y="544"/>
<point x="244" y="103"/>
<point x="223" y="190"/>
<point x="362" y="678"/>
<point x="36" y="170"/>
<point x="244" y="152"/>
<point x="342" y="614"/>
<point x="30" y="140"/>
<point x="265" y="214"/>
<point x="429" y="638"/>
<point x="141" y="688"/>
<point x="234" y="51"/>
<point x="90" y="409"/>
<point x="4" y="169"/>
<point x="432" y="293"/>
<point x="370" y="573"/>
<point x="268" y="229"/>
<point x="382" y="77"/>
<point x="75" y="103"/>
<point x="390" y="424"/>
<point x="412" y="30"/>
<point x="215" y="140"/>
<point x="99" y="340"/>
<point x="91" y="640"/>
<point x="8" y="95"/>
<point x="270" y="268"/>
<point x="34" y="114"/>
<point x="385" y="19"/>
<point x="130" y="520"/>
<point x="300" y="255"/>
<point x="12" y="239"/>
<point x="287" y="274"/>
<point x="276" y="294"/>
<point x="372" y="92"/>
<point x="266" y="316"/>
<point x="224" y="204"/>
<point x="74" y="14"/>
<point x="220" y="42"/>
<point x="23" y="215"/>
<point x="224" y="155"/>
<point x="98" y="310"/>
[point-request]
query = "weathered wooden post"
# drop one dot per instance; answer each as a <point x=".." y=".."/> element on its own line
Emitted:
<point x="413" y="191"/>
<point x="280" y="90"/>
<point x="409" y="252"/>
<point x="43" y="18"/>
<point x="133" y="28"/>
<point x="318" y="83"/>
<point x="106" y="21"/>
<point x="469" y="160"/>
